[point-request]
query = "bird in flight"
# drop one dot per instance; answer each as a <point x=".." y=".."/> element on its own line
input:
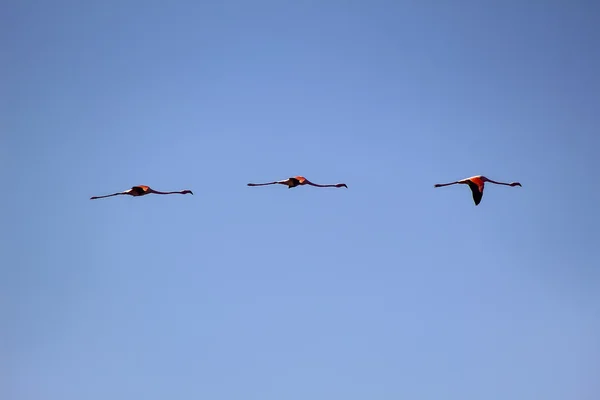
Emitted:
<point x="297" y="181"/>
<point x="476" y="183"/>
<point x="140" y="190"/>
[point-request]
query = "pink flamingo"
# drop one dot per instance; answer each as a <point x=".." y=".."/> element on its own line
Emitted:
<point x="297" y="181"/>
<point x="140" y="190"/>
<point x="476" y="183"/>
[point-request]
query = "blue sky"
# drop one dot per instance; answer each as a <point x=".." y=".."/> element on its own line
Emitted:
<point x="389" y="289"/>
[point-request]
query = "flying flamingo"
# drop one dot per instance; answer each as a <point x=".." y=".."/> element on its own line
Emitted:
<point x="140" y="190"/>
<point x="297" y="181"/>
<point x="476" y="183"/>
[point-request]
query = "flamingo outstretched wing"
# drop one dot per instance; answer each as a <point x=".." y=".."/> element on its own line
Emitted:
<point x="477" y="192"/>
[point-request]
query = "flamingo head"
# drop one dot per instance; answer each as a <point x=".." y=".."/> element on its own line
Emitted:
<point x="186" y="192"/>
<point x="339" y="185"/>
<point x="515" y="184"/>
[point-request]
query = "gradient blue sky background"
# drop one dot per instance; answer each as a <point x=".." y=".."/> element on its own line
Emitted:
<point x="390" y="289"/>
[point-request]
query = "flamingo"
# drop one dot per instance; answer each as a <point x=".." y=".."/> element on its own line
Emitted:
<point x="298" y="181"/>
<point x="476" y="183"/>
<point x="140" y="190"/>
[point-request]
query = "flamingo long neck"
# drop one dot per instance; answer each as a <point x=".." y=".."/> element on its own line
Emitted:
<point x="157" y="192"/>
<point x="316" y="184"/>
<point x="307" y="182"/>
<point x="498" y="183"/>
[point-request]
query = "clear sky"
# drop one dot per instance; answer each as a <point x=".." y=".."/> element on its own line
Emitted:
<point x="389" y="289"/>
